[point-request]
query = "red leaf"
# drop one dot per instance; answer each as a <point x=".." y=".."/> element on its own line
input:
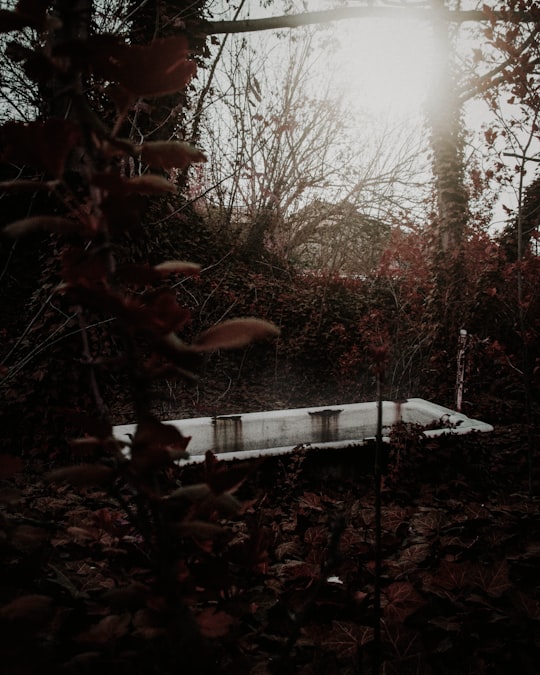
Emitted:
<point x="16" y="186"/>
<point x="226" y="477"/>
<point x="316" y="535"/>
<point x="169" y="154"/>
<point x="121" y="98"/>
<point x="213" y="623"/>
<point x="225" y="504"/>
<point x="151" y="458"/>
<point x="494" y="579"/>
<point x="117" y="147"/>
<point x="164" y="313"/>
<point x="412" y="556"/>
<point x="42" y="145"/>
<point x="193" y="493"/>
<point x="82" y="475"/>
<point x="144" y="185"/>
<point x="145" y="274"/>
<point x="45" y="223"/>
<point x="178" y="267"/>
<point x="310" y="500"/>
<point x="296" y="569"/>
<point x="235" y="333"/>
<point x="151" y="431"/>
<point x="288" y="549"/>
<point x="31" y="608"/>
<point x="392" y="518"/>
<point x="82" y="534"/>
<point x="346" y="637"/>
<point x="158" y="68"/>
<point x="151" y="185"/>
<point x="474" y="512"/>
<point x="402" y="600"/>
<point x="253" y="550"/>
<point x="352" y="540"/>
<point x="406" y="645"/>
<point x="129" y="597"/>
<point x="448" y="625"/>
<point x="155" y="445"/>
<point x="147" y="624"/>
<point x="85" y="268"/>
<point x="177" y="351"/>
<point x="159" y="316"/>
<point x="451" y="576"/>
<point x="427" y="521"/>
<point x="110" y="629"/>
<point x="526" y="604"/>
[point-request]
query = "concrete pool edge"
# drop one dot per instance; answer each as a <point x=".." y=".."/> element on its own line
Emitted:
<point x="279" y="432"/>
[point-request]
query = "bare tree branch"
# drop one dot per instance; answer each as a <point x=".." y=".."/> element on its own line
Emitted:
<point x="342" y="13"/>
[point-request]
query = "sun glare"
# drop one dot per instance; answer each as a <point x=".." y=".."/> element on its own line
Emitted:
<point x="386" y="66"/>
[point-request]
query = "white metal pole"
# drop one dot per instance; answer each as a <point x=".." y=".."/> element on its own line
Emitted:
<point x="460" y="377"/>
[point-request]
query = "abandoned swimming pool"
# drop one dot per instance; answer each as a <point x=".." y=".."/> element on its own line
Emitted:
<point x="276" y="432"/>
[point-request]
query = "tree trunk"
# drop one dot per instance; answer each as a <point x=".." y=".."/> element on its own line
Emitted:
<point x="446" y="131"/>
<point x="448" y="306"/>
<point x="254" y="245"/>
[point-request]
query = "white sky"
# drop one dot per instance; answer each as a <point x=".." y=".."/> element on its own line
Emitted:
<point x="385" y="67"/>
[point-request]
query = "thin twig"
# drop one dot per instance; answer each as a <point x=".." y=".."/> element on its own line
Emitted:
<point x="378" y="533"/>
<point x="46" y="344"/>
<point x="29" y="326"/>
